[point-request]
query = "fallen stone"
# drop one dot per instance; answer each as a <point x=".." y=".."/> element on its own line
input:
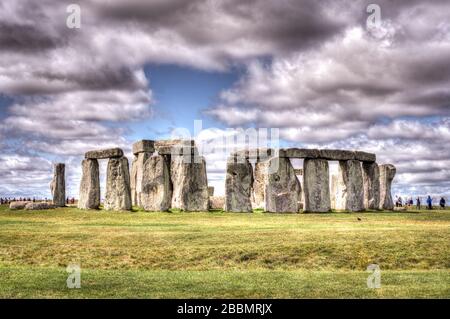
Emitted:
<point x="337" y="155"/>
<point x="106" y="153"/>
<point x="217" y="202"/>
<point x="118" y="191"/>
<point x="371" y="180"/>
<point x="39" y="206"/>
<point x="282" y="190"/>
<point x="58" y="185"/>
<point x="350" y="190"/>
<point x="190" y="184"/>
<point x="316" y="186"/>
<point x="156" y="193"/>
<point x="238" y="186"/>
<point x="365" y="157"/>
<point x="143" y="146"/>
<point x="90" y="185"/>
<point x="299" y="153"/>
<point x="18" y="205"/>
<point x="387" y="174"/>
<point x="400" y="209"/>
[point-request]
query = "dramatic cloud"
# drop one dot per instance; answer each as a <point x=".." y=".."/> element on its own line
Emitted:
<point x="362" y="89"/>
<point x="311" y="68"/>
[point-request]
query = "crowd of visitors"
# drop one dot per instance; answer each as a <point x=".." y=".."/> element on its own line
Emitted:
<point x="409" y="202"/>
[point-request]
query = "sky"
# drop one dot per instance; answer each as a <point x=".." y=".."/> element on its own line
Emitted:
<point x="325" y="74"/>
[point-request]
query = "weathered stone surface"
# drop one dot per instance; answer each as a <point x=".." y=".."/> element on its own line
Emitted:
<point x="18" y="205"/>
<point x="259" y="184"/>
<point x="371" y="179"/>
<point x="262" y="153"/>
<point x="299" y="153"/>
<point x="365" y="157"/>
<point x="337" y="155"/>
<point x="38" y="206"/>
<point x="143" y="146"/>
<point x="118" y="191"/>
<point x="140" y="162"/>
<point x="210" y="191"/>
<point x="350" y="190"/>
<point x="176" y="147"/>
<point x="238" y="186"/>
<point x="156" y="192"/>
<point x="106" y="153"/>
<point x="387" y="174"/>
<point x="316" y="186"/>
<point x="217" y="202"/>
<point x="333" y="190"/>
<point x="58" y="185"/>
<point x="90" y="185"/>
<point x="133" y="177"/>
<point x="282" y="190"/>
<point x="190" y="184"/>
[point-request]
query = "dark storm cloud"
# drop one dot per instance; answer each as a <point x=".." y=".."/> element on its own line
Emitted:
<point x="282" y="25"/>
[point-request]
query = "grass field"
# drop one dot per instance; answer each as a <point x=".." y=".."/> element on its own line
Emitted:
<point x="213" y="255"/>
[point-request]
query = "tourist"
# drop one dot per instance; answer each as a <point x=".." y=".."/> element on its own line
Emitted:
<point x="418" y="202"/>
<point x="429" y="202"/>
<point x="400" y="201"/>
<point x="442" y="203"/>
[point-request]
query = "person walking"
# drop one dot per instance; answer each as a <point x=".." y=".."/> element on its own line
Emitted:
<point x="429" y="202"/>
<point x="442" y="203"/>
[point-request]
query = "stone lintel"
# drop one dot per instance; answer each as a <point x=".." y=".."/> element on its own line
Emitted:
<point x="105" y="153"/>
<point x="143" y="146"/>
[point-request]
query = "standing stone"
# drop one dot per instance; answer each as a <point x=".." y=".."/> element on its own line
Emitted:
<point x="333" y="190"/>
<point x="141" y="159"/>
<point x="118" y="190"/>
<point x="58" y="185"/>
<point x="371" y="179"/>
<point x="283" y="190"/>
<point x="387" y="173"/>
<point x="210" y="191"/>
<point x="259" y="184"/>
<point x="350" y="189"/>
<point x="90" y="185"/>
<point x="316" y="185"/>
<point x="238" y="186"/>
<point x="156" y="189"/>
<point x="133" y="177"/>
<point x="190" y="183"/>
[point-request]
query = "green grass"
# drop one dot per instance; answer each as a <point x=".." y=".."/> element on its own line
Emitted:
<point x="216" y="254"/>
